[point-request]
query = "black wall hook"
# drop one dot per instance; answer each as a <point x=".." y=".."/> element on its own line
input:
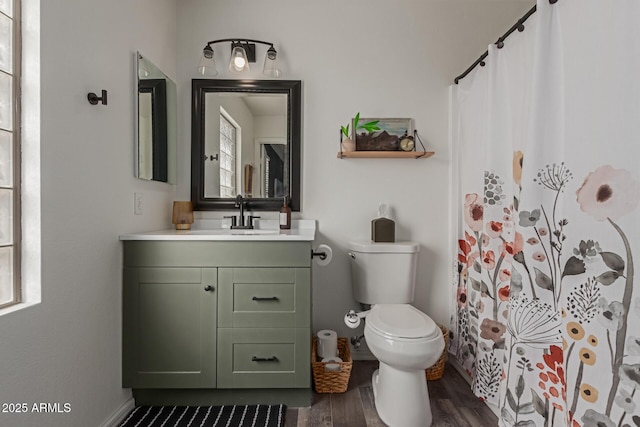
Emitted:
<point x="94" y="99"/>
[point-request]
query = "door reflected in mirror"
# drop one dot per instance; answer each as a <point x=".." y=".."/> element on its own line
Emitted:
<point x="272" y="155"/>
<point x="246" y="140"/>
<point x="156" y="134"/>
<point x="245" y="145"/>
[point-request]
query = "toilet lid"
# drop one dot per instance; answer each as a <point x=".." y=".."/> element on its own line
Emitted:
<point x="401" y="321"/>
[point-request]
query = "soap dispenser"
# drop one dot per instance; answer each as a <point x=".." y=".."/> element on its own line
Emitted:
<point x="383" y="229"/>
<point x="285" y="215"/>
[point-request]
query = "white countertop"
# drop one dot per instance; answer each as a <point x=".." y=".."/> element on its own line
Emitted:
<point x="212" y="229"/>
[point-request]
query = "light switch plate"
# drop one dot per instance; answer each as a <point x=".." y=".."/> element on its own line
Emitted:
<point x="137" y="203"/>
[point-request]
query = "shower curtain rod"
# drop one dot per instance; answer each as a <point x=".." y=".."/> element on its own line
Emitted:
<point x="500" y="43"/>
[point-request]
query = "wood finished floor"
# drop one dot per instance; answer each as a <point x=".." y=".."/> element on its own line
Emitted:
<point x="452" y="404"/>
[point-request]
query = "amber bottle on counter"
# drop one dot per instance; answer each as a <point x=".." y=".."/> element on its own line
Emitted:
<point x="285" y="216"/>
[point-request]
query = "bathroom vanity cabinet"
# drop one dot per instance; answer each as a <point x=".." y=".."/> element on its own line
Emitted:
<point x="215" y="317"/>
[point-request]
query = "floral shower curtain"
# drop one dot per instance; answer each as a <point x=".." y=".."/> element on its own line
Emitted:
<point x="547" y="142"/>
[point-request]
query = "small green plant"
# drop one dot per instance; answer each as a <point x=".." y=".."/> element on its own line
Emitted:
<point x="345" y="131"/>
<point x="369" y="126"/>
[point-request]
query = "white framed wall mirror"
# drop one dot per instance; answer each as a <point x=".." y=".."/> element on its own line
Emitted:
<point x="156" y="103"/>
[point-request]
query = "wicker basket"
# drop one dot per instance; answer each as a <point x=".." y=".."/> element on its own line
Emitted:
<point x="437" y="370"/>
<point x="331" y="381"/>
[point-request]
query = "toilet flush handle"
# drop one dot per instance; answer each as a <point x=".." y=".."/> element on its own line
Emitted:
<point x="352" y="255"/>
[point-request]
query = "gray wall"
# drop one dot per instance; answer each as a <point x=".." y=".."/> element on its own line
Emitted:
<point x="387" y="59"/>
<point x="383" y="59"/>
<point x="67" y="349"/>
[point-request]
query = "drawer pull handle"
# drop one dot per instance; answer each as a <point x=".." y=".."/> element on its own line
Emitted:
<point x="265" y="298"/>
<point x="264" y="359"/>
<point x="209" y="288"/>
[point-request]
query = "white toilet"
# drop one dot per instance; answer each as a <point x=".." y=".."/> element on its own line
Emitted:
<point x="405" y="340"/>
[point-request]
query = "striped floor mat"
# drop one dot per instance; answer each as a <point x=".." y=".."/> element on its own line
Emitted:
<point x="206" y="416"/>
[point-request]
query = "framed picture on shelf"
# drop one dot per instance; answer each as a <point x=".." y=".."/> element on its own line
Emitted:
<point x="380" y="134"/>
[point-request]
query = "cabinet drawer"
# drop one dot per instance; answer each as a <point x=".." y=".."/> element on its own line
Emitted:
<point x="271" y="297"/>
<point x="264" y="358"/>
<point x="264" y="298"/>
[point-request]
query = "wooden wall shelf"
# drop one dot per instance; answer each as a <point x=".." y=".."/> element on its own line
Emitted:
<point x="385" y="154"/>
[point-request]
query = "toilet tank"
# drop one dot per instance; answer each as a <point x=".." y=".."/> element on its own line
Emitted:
<point x="383" y="273"/>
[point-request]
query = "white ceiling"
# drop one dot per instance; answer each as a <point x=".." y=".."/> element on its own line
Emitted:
<point x="266" y="104"/>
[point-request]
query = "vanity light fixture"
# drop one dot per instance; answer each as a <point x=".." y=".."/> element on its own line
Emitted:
<point x="243" y="52"/>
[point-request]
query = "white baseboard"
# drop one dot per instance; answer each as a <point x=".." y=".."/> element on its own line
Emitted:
<point x="118" y="416"/>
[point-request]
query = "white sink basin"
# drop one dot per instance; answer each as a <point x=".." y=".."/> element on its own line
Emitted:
<point x="254" y="231"/>
<point x="235" y="232"/>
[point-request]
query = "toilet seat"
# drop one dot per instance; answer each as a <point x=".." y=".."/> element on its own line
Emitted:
<point x="401" y="322"/>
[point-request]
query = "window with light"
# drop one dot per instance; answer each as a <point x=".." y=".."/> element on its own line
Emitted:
<point x="227" y="158"/>
<point x="10" y="292"/>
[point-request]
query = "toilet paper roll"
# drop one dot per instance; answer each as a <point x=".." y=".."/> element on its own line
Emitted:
<point x="332" y="367"/>
<point x="351" y="321"/>
<point x="327" y="343"/>
<point x="329" y="255"/>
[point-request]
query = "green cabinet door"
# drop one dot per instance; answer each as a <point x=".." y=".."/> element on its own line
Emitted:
<point x="169" y="327"/>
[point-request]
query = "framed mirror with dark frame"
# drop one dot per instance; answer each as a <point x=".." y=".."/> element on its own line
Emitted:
<point x="245" y="140"/>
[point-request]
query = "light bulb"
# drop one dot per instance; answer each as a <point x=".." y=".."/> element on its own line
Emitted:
<point x="239" y="62"/>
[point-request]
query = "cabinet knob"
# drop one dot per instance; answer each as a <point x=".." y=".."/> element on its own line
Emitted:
<point x="209" y="288"/>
